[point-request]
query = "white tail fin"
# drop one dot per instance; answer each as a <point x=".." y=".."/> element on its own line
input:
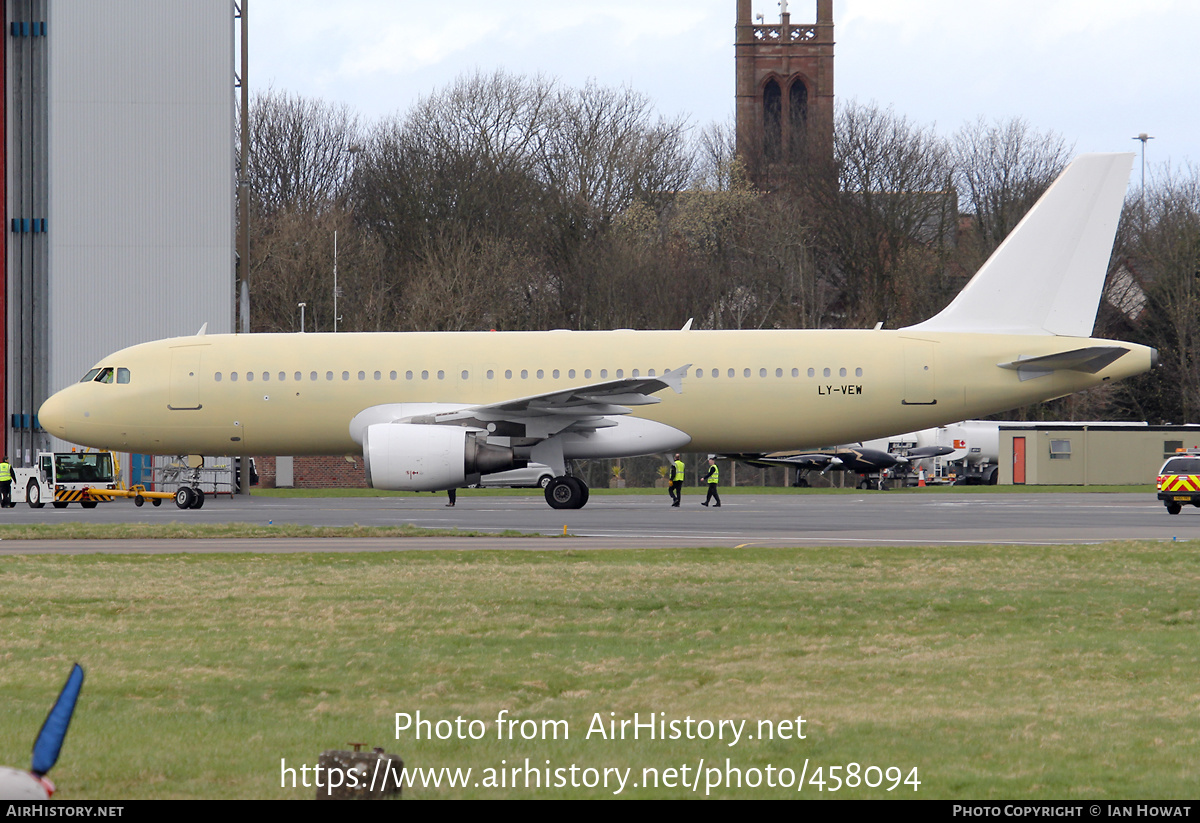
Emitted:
<point x="1047" y="275"/>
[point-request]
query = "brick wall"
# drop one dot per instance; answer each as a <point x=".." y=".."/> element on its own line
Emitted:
<point x="322" y="472"/>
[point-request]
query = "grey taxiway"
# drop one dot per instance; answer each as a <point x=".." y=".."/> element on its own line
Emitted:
<point x="639" y="521"/>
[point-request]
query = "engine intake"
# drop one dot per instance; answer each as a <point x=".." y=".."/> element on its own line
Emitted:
<point x="412" y="457"/>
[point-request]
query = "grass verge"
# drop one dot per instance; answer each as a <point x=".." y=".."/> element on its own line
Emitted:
<point x="997" y="672"/>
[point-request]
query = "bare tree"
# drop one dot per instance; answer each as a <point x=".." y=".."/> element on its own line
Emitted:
<point x="895" y="192"/>
<point x="1001" y="169"/>
<point x="302" y="152"/>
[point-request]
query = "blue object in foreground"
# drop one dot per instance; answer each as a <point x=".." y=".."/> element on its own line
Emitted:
<point x="50" y="739"/>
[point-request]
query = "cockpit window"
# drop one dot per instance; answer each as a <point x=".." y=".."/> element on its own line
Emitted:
<point x="90" y="376"/>
<point x="122" y="375"/>
<point x="105" y="376"/>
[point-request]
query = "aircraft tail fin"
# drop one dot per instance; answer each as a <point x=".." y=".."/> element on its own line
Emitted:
<point x="1047" y="275"/>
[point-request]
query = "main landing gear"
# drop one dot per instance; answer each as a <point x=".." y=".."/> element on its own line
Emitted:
<point x="566" y="493"/>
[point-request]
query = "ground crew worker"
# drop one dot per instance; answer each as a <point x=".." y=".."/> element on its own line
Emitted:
<point x="712" y="477"/>
<point x="6" y="479"/>
<point x="676" y="490"/>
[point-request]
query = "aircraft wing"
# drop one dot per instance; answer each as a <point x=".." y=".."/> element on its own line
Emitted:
<point x="583" y="408"/>
<point x="856" y="459"/>
<point x="538" y="416"/>
<point x="806" y="461"/>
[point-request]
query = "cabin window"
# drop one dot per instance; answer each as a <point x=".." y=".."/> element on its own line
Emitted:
<point x="841" y="372"/>
<point x="540" y="374"/>
<point x="441" y="375"/>
<point x="729" y="373"/>
<point x="217" y="377"/>
<point x="266" y="376"/>
<point x="571" y="374"/>
<point x="603" y="373"/>
<point x="378" y="375"/>
<point x="858" y="372"/>
<point x="762" y="372"/>
<point x="827" y="372"/>
<point x="812" y="372"/>
<point x="508" y="374"/>
<point x="233" y="377"/>
<point x="554" y="374"/>
<point x="362" y="375"/>
<point x="620" y="372"/>
<point x="587" y="374"/>
<point x="345" y="375"/>
<point x="795" y="372"/>
<point x="249" y="376"/>
<point x="90" y="376"/>
<point x="391" y="375"/>
<point x="779" y="372"/>
<point x="636" y="373"/>
<point x="466" y="375"/>
<point x="122" y="375"/>
<point x="524" y="374"/>
<point x="408" y="375"/>
<point x="298" y="376"/>
<point x="328" y="375"/>
<point x="745" y="373"/>
<point x="424" y="374"/>
<point x="490" y="374"/>
<point x="699" y="372"/>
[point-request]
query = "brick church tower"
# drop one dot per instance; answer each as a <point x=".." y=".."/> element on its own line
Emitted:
<point x="784" y="90"/>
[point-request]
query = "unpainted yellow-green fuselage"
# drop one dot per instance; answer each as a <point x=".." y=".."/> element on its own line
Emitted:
<point x="745" y="391"/>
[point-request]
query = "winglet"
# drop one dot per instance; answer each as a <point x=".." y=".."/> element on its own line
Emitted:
<point x="688" y="325"/>
<point x="54" y="730"/>
<point x="1047" y="275"/>
<point x="203" y="330"/>
<point x="674" y="377"/>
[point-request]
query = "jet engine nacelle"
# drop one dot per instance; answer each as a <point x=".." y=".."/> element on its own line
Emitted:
<point x="418" y="457"/>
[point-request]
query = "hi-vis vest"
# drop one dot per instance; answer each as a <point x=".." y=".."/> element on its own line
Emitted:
<point x="678" y="470"/>
<point x="6" y="474"/>
<point x="713" y="473"/>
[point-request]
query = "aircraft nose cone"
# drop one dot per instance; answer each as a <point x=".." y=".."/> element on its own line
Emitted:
<point x="54" y="414"/>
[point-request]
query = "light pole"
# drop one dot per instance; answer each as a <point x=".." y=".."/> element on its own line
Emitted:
<point x="1145" y="138"/>
<point x="302" y="305"/>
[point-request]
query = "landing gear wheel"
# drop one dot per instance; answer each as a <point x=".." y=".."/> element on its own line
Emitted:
<point x="33" y="494"/>
<point x="566" y="493"/>
<point x="183" y="497"/>
<point x="1174" y="508"/>
<point x="197" y="498"/>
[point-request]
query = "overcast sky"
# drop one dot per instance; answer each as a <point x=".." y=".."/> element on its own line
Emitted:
<point x="1098" y="72"/>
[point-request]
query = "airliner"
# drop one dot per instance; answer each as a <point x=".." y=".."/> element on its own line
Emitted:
<point x="430" y="411"/>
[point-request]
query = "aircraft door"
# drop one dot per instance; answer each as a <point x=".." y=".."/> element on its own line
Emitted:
<point x="185" y="378"/>
<point x="919" y="373"/>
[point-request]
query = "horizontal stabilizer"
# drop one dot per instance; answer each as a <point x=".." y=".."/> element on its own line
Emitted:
<point x="1088" y="360"/>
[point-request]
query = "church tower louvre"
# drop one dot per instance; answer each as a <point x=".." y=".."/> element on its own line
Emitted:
<point x="784" y="90"/>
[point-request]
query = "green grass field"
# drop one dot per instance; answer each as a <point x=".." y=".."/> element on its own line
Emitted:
<point x="996" y="672"/>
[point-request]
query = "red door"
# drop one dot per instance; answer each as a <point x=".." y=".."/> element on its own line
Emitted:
<point x="1019" y="461"/>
